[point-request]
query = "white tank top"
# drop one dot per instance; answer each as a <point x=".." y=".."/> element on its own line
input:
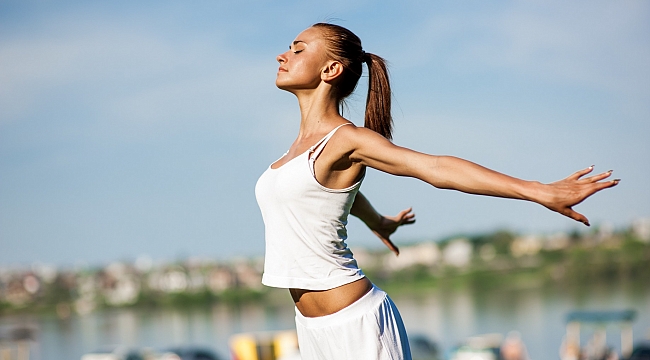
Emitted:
<point x="305" y="226"/>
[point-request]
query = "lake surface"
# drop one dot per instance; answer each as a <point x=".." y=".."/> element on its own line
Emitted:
<point x="446" y="317"/>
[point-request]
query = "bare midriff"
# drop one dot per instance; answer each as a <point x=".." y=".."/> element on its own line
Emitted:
<point x="315" y="303"/>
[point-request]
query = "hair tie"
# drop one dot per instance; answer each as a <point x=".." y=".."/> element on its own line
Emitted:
<point x="364" y="56"/>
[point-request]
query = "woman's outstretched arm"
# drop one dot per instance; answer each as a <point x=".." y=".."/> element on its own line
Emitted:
<point x="448" y="172"/>
<point x="382" y="226"/>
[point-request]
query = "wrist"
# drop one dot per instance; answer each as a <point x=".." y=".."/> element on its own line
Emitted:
<point x="534" y="191"/>
<point x="376" y="222"/>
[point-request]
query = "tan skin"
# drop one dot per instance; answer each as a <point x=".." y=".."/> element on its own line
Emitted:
<point x="307" y="72"/>
<point x="382" y="226"/>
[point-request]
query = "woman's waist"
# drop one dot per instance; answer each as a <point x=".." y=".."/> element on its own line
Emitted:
<point x="316" y="303"/>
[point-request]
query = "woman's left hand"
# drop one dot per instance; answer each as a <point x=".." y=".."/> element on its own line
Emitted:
<point x="562" y="195"/>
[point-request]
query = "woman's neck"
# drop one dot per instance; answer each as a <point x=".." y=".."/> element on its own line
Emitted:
<point x="318" y="109"/>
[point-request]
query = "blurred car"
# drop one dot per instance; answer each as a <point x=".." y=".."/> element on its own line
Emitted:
<point x="641" y="352"/>
<point x="423" y="348"/>
<point x="481" y="347"/>
<point x="267" y="345"/>
<point x="189" y="353"/>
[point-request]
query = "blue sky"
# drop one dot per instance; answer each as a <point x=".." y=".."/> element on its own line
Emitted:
<point x="140" y="128"/>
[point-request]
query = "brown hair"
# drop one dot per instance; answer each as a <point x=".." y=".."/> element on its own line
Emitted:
<point x="345" y="47"/>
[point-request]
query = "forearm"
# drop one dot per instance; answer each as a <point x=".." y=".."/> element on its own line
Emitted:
<point x="362" y="209"/>
<point x="382" y="226"/>
<point x="448" y="172"/>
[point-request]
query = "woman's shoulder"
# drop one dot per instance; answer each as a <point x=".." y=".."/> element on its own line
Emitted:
<point x="352" y="130"/>
<point x="355" y="135"/>
<point x="349" y="140"/>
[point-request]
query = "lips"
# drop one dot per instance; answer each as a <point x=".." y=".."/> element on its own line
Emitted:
<point x="281" y="69"/>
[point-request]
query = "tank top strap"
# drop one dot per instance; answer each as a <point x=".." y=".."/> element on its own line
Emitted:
<point x="317" y="148"/>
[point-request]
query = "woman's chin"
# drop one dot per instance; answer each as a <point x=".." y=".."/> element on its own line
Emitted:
<point x="286" y="87"/>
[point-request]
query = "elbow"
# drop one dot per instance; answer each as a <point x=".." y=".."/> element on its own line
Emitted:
<point x="432" y="172"/>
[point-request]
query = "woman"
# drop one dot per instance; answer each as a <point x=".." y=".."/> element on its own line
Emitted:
<point x="307" y="194"/>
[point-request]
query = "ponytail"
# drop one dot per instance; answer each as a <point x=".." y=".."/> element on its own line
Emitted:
<point x="344" y="46"/>
<point x="378" y="116"/>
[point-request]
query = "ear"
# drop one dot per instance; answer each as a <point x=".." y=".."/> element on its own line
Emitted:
<point x="332" y="71"/>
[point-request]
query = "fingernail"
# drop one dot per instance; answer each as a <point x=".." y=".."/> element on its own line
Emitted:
<point x="592" y="166"/>
<point x="610" y="171"/>
<point x="616" y="180"/>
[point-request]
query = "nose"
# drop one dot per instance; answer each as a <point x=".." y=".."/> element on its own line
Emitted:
<point x="281" y="59"/>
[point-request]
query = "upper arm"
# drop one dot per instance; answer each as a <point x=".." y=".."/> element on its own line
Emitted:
<point x="444" y="172"/>
<point x="375" y="151"/>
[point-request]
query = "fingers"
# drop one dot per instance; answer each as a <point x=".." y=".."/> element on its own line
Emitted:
<point x="608" y="184"/>
<point x="599" y="177"/>
<point x="577" y="216"/>
<point x="404" y="213"/>
<point x="388" y="243"/>
<point x="580" y="173"/>
<point x="406" y="216"/>
<point x="596" y="178"/>
<point x="409" y="219"/>
<point x="598" y="186"/>
<point x="390" y="246"/>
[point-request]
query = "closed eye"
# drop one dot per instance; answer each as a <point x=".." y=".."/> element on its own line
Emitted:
<point x="293" y="46"/>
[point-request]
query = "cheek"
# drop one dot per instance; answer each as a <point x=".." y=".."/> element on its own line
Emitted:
<point x="303" y="73"/>
<point x="308" y="68"/>
<point x="297" y="74"/>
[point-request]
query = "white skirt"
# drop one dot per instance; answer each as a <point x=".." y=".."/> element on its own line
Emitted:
<point x="370" y="328"/>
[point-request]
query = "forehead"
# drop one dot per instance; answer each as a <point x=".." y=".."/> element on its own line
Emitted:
<point x="309" y="35"/>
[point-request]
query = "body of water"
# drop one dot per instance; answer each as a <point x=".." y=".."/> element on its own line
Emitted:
<point x="445" y="316"/>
